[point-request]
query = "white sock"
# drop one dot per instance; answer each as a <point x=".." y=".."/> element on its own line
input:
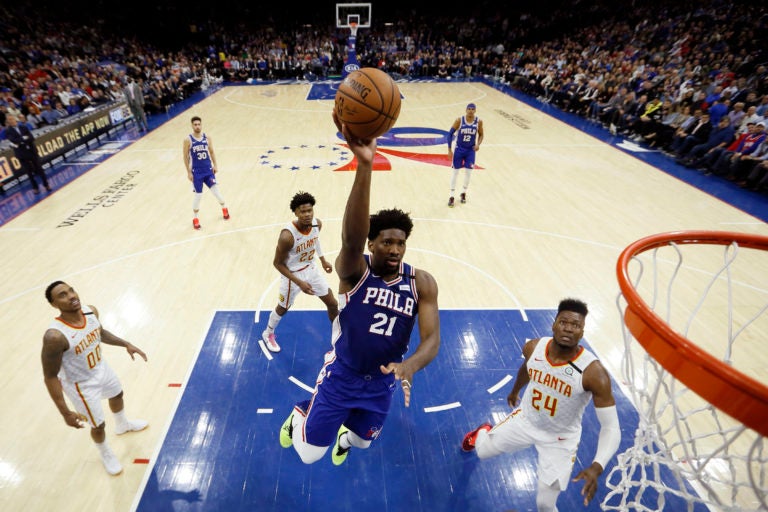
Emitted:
<point x="103" y="448"/>
<point x="120" y="418"/>
<point x="344" y="441"/>
<point x="274" y="319"/>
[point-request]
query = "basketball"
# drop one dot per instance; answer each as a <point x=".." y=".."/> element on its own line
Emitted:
<point x="368" y="102"/>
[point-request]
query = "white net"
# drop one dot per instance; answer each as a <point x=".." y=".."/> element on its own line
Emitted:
<point x="685" y="300"/>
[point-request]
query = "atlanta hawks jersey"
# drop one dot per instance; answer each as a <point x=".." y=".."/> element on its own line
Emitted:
<point x="83" y="357"/>
<point x="304" y="246"/>
<point x="554" y="399"/>
<point x="375" y="320"/>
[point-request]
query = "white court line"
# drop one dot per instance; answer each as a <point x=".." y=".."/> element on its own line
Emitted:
<point x="264" y="411"/>
<point x="301" y="384"/>
<point x="503" y="382"/>
<point x="445" y="407"/>
<point x="264" y="349"/>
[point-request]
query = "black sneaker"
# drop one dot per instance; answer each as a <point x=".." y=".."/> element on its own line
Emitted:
<point x="463" y="198"/>
<point x="450" y="202"/>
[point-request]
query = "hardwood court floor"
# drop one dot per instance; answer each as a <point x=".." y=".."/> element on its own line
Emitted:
<point x="547" y="216"/>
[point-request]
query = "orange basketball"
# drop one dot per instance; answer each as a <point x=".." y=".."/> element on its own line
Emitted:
<point x="368" y="102"/>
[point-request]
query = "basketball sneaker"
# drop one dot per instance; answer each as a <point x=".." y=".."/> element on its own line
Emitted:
<point x="286" y="432"/>
<point x="450" y="202"/>
<point x="111" y="464"/>
<point x="225" y="213"/>
<point x="339" y="454"/>
<point x="463" y="197"/>
<point x="270" y="341"/>
<point x="195" y="223"/>
<point x="131" y="426"/>
<point x="468" y="444"/>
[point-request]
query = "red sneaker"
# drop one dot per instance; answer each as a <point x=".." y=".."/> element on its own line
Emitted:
<point x="468" y="444"/>
<point x="195" y="223"/>
<point x="225" y="213"/>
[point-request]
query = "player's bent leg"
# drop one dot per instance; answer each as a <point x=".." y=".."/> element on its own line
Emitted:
<point x="546" y="496"/>
<point x="308" y="453"/>
<point x="485" y="447"/>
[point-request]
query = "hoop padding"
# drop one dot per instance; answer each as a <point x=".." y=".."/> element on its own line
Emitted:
<point x="728" y="389"/>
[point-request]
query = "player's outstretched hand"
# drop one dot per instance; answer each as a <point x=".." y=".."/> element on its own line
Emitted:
<point x="132" y="349"/>
<point x="589" y="475"/>
<point x="364" y="149"/>
<point x="403" y="374"/>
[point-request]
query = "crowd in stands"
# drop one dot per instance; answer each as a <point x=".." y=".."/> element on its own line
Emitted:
<point x="689" y="81"/>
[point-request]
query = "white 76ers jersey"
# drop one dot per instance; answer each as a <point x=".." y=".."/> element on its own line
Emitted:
<point x="83" y="357"/>
<point x="554" y="399"/>
<point x="304" y="246"/>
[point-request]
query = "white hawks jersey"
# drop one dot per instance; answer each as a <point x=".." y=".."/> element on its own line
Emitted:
<point x="554" y="399"/>
<point x="304" y="246"/>
<point x="83" y="357"/>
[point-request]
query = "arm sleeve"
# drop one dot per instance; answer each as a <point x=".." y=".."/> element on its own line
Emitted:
<point x="610" y="434"/>
<point x="450" y="136"/>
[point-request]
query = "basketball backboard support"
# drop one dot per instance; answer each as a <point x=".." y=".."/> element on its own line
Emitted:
<point x="353" y="13"/>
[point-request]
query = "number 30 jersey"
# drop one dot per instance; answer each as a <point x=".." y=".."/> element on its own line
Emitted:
<point x="375" y="321"/>
<point x="554" y="399"/>
<point x="83" y="357"/>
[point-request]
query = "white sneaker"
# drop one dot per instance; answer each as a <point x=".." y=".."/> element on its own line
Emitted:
<point x="131" y="426"/>
<point x="270" y="341"/>
<point x="111" y="464"/>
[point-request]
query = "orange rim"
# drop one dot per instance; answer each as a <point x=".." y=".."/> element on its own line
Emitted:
<point x="731" y="391"/>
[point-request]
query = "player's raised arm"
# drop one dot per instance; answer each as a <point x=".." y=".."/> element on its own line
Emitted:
<point x="354" y="230"/>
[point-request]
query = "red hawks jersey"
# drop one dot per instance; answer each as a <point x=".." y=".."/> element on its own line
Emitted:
<point x="82" y="359"/>
<point x="554" y="399"/>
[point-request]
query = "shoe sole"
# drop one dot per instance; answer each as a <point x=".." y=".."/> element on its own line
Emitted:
<point x="286" y="440"/>
<point x="129" y="431"/>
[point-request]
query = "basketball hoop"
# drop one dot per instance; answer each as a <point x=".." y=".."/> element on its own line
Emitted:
<point x="702" y="421"/>
<point x="353" y="28"/>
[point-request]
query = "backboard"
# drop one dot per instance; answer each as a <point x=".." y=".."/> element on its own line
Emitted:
<point x="357" y="13"/>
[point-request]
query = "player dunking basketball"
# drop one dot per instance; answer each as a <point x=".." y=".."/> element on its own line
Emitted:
<point x="200" y="162"/>
<point x="467" y="131"/>
<point x="561" y="378"/>
<point x="380" y="300"/>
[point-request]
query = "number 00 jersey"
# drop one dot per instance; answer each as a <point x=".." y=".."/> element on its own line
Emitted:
<point x="375" y="321"/>
<point x="554" y="399"/>
<point x="83" y="357"/>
